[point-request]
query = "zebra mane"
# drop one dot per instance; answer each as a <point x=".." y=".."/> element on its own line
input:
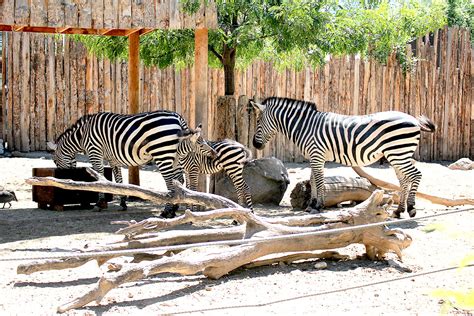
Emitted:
<point x="83" y="119"/>
<point x="289" y="102"/>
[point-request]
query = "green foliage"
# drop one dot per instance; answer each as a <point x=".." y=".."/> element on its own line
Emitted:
<point x="461" y="13"/>
<point x="294" y="33"/>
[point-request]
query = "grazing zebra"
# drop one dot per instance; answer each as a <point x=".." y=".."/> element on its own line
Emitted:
<point x="196" y="155"/>
<point x="351" y="140"/>
<point x="124" y="140"/>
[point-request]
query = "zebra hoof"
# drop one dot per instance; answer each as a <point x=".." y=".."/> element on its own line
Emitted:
<point x="396" y="214"/>
<point x="123" y="206"/>
<point x="167" y="214"/>
<point x="102" y="204"/>
<point x="311" y="210"/>
<point x="411" y="210"/>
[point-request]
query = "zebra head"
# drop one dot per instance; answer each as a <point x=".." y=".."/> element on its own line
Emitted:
<point x="266" y="127"/>
<point x="67" y="146"/>
<point x="191" y="141"/>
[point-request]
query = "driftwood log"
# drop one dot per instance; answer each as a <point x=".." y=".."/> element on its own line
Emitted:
<point x="421" y="195"/>
<point x="255" y="232"/>
<point x="338" y="189"/>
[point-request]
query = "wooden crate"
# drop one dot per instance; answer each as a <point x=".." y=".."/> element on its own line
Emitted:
<point x="55" y="198"/>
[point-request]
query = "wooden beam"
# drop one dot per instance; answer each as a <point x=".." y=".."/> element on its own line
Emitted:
<point x="133" y="93"/>
<point x="200" y="87"/>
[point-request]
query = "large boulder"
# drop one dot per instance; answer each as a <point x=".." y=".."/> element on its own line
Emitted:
<point x="266" y="177"/>
<point x="462" y="164"/>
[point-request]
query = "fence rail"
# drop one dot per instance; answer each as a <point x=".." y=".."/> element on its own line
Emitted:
<point x="49" y="83"/>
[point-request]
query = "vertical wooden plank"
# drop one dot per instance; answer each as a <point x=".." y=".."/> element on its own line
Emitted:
<point x="60" y="88"/>
<point x="41" y="105"/>
<point x="133" y="90"/>
<point x="448" y="64"/>
<point x="39" y="16"/>
<point x="8" y="124"/>
<point x="81" y="81"/>
<point x="22" y="12"/>
<point x="56" y="13"/>
<point x="74" y="86"/>
<point x="138" y="13"/>
<point x="67" y="82"/>
<point x="110" y="19"/>
<point x="70" y="13"/>
<point x="107" y="86"/>
<point x="149" y="15"/>
<point x="7" y="14"/>
<point x="34" y="124"/>
<point x="174" y="16"/>
<point x="51" y="112"/>
<point x="97" y="13"/>
<point x="356" y="86"/>
<point x="200" y="77"/>
<point x="125" y="14"/>
<point x="25" y="93"/>
<point x="16" y="92"/>
<point x="85" y="13"/>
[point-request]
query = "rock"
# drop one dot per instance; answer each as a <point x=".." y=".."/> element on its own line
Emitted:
<point x="266" y="177"/>
<point x="320" y="265"/>
<point x="338" y="189"/>
<point x="462" y="164"/>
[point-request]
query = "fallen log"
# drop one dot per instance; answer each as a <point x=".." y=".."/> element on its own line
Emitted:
<point x="253" y="241"/>
<point x="431" y="198"/>
<point x="337" y="190"/>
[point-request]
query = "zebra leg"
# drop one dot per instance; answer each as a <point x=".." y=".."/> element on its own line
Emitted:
<point x="409" y="177"/>
<point x="242" y="188"/>
<point x="118" y="179"/>
<point x="101" y="204"/>
<point x="415" y="178"/>
<point x="317" y="185"/>
<point x="192" y="181"/>
<point x="169" y="174"/>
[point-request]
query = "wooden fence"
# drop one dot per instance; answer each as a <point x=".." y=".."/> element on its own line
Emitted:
<point x="50" y="82"/>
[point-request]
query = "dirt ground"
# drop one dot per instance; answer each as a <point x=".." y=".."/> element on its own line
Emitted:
<point x="354" y="286"/>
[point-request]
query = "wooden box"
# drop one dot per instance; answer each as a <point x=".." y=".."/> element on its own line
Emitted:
<point x="56" y="198"/>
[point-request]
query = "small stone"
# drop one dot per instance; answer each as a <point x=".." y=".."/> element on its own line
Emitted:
<point x="320" y="265"/>
<point x="208" y="288"/>
<point x="282" y="264"/>
<point x="130" y="295"/>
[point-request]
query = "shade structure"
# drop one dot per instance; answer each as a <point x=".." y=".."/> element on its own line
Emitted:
<point x="110" y="18"/>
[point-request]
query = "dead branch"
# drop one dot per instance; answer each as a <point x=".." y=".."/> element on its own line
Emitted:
<point x="179" y="195"/>
<point x="431" y="198"/>
<point x="215" y="262"/>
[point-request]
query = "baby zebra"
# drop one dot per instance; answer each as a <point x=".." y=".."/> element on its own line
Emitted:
<point x="196" y="155"/>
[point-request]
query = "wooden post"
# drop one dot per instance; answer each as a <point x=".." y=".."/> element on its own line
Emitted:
<point x="200" y="88"/>
<point x="133" y="93"/>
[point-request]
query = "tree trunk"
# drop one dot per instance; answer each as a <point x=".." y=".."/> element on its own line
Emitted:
<point x="228" y="61"/>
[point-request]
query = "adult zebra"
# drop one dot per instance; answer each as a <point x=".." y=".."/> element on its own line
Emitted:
<point x="196" y="155"/>
<point x="350" y="140"/>
<point x="124" y="140"/>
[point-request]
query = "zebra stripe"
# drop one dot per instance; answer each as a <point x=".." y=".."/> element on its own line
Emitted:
<point x="356" y="140"/>
<point x="209" y="157"/>
<point x="124" y="140"/>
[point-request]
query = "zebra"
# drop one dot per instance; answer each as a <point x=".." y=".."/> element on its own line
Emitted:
<point x="356" y="140"/>
<point x="124" y="140"/>
<point x="196" y="155"/>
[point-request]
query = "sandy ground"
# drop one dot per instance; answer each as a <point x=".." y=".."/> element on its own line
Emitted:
<point x="355" y="286"/>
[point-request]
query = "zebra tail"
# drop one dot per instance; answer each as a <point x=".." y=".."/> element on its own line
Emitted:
<point x="426" y="124"/>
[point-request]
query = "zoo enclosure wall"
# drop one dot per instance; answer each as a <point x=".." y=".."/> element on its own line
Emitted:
<point x="51" y="81"/>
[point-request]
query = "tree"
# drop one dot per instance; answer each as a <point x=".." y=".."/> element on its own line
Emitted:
<point x="290" y="33"/>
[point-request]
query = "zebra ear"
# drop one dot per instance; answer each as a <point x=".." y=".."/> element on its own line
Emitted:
<point x="258" y="106"/>
<point x="52" y="146"/>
